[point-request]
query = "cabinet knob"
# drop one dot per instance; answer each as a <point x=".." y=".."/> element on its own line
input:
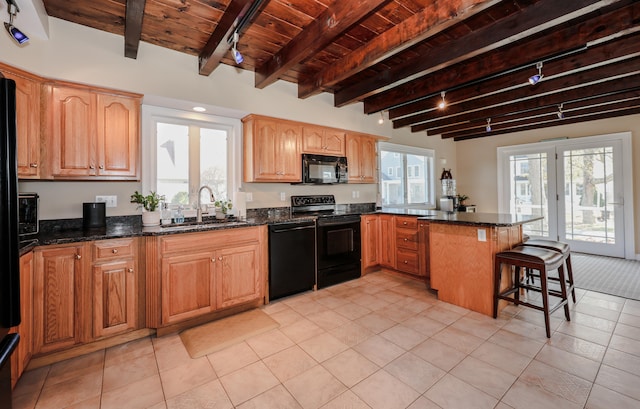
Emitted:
<point x="114" y="251"/>
<point x="92" y="167"/>
<point x="213" y="259"/>
<point x="220" y="258"/>
<point x="78" y="256"/>
<point x="405" y="223"/>
<point x="33" y="165"/>
<point x="130" y="270"/>
<point x="101" y="166"/>
<point x="406" y="239"/>
<point x="406" y="262"/>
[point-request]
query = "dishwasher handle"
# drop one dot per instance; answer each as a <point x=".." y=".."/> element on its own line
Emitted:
<point x="283" y="229"/>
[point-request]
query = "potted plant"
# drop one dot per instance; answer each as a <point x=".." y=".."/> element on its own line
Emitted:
<point x="222" y="208"/>
<point x="461" y="199"/>
<point x="149" y="204"/>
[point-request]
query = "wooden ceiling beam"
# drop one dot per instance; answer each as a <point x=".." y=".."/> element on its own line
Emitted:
<point x="333" y="22"/>
<point x="608" y="85"/>
<point x="134" y="14"/>
<point x="433" y="19"/>
<point x="541" y="47"/>
<point x="217" y="45"/>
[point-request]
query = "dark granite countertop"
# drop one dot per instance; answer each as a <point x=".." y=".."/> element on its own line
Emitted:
<point x="471" y="218"/>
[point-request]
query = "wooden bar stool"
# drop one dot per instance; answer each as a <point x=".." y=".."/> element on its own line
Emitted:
<point x="535" y="258"/>
<point x="562" y="248"/>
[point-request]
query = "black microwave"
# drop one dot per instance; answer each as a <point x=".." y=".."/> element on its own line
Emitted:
<point x="322" y="169"/>
<point x="28" y="214"/>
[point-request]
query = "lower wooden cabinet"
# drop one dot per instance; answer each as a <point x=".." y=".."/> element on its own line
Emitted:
<point x="370" y="228"/>
<point x="237" y="275"/>
<point x="387" y="242"/>
<point x="22" y="355"/>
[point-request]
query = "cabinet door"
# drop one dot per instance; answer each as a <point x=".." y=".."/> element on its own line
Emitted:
<point x="27" y="125"/>
<point x="237" y="275"/>
<point x="21" y="357"/>
<point x="187" y="286"/>
<point x="354" y="159"/>
<point x="368" y="160"/>
<point x="370" y="240"/>
<point x="323" y="141"/>
<point x="72" y="132"/>
<point x="276" y="151"/>
<point x="288" y="152"/>
<point x="114" y="297"/>
<point x="423" y="237"/>
<point x="57" y="293"/>
<point x="387" y="241"/>
<point x="334" y="142"/>
<point x="117" y="136"/>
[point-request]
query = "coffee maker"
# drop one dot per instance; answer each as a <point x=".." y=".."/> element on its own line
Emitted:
<point x="449" y="197"/>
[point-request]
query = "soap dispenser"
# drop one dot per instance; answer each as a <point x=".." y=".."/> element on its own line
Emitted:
<point x="166" y="214"/>
<point x="179" y="216"/>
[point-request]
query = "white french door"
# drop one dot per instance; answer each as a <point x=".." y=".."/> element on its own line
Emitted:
<point x="577" y="185"/>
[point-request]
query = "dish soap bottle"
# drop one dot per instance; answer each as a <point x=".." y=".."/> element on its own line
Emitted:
<point x="179" y="216"/>
<point x="166" y="214"/>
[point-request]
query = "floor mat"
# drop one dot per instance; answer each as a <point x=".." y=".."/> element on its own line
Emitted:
<point x="607" y="275"/>
<point x="217" y="335"/>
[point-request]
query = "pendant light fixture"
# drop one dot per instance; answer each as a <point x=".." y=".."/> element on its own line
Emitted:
<point x="442" y="103"/>
<point x="17" y="35"/>
<point x="534" y="79"/>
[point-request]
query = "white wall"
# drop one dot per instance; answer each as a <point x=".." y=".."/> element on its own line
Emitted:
<point x="79" y="54"/>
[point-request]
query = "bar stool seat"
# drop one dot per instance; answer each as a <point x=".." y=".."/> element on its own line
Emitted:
<point x="535" y="258"/>
<point x="562" y="248"/>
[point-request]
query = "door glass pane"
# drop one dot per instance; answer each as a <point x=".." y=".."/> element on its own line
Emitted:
<point x="528" y="187"/>
<point x="172" y="156"/>
<point x="213" y="161"/>
<point x="589" y="195"/>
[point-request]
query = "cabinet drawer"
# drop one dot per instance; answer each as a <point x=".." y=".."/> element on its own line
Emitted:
<point x="111" y="249"/>
<point x="407" y="261"/>
<point x="407" y="239"/>
<point x="407" y="222"/>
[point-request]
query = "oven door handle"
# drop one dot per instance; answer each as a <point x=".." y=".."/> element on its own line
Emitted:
<point x="286" y="229"/>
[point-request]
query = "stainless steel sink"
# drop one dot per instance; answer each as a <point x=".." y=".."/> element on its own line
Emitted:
<point x="204" y="225"/>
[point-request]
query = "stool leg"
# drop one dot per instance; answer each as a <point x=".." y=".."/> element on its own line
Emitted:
<point x="516" y="283"/>
<point x="570" y="277"/>
<point x="545" y="300"/>
<point x="497" y="275"/>
<point x="563" y="291"/>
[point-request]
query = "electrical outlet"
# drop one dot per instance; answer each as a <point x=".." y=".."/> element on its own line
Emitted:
<point x="353" y="194"/>
<point x="482" y="235"/>
<point x="357" y="194"/>
<point x="249" y="197"/>
<point x="283" y="196"/>
<point x="110" y="201"/>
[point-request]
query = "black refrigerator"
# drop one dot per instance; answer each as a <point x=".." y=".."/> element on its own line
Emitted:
<point x="9" y="243"/>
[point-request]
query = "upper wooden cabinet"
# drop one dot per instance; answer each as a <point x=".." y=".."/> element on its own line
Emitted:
<point x="91" y="133"/>
<point x="272" y="150"/>
<point x="323" y="141"/>
<point x="361" y="158"/>
<point x="27" y="121"/>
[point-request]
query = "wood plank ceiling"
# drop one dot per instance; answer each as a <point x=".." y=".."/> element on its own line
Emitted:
<point x="399" y="57"/>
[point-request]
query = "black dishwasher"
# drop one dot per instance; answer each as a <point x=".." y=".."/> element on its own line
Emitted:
<point x="292" y="258"/>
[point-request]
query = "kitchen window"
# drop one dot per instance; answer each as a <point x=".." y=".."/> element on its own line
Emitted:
<point x="414" y="181"/>
<point x="184" y="150"/>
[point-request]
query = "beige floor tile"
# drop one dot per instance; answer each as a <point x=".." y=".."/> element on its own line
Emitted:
<point x="537" y="318"/>
<point x="26" y="401"/>
<point x="523" y="395"/>
<point x="301" y="330"/>
<point x="557" y="382"/>
<point x="624" y="344"/>
<point x="31" y="382"/>
<point x="92" y="403"/>
<point x="619" y="381"/>
<point x="269" y="343"/>
<point x="603" y="398"/>
<point x="460" y="340"/>
<point x="180" y="379"/>
<point x="481" y="327"/>
<point x="328" y="319"/>
<point x="518" y="343"/>
<point x="379" y="350"/>
<point x="140" y="394"/>
<point x="171" y="354"/>
<point x="352" y="311"/>
<point x="396" y="313"/>
<point x="423" y="403"/>
<point x="248" y="382"/>
<point x="347" y="400"/>
<point x="424" y="325"/>
<point x="72" y="368"/>
<point x="502" y="405"/>
<point x="597" y="311"/>
<point x="323" y="346"/>
<point x="289" y="363"/>
<point x="451" y="392"/>
<point x="623" y="361"/>
<point x="305" y="306"/>
<point x="442" y="314"/>
<point x="161" y="405"/>
<point x="628" y="331"/>
<point x="116" y="376"/>
<point x="70" y="392"/>
<point x="604" y="301"/>
<point x="369" y="301"/>
<point x="275" y="306"/>
<point x="350" y="367"/>
<point x="415" y="372"/>
<point x="526" y="329"/>
<point x="332" y="302"/>
<point x="586" y="333"/>
<point x="439" y="354"/>
<point x="631" y="308"/>
<point x="630" y="319"/>
<point x="501" y="357"/>
<point x="403" y="336"/>
<point x="326" y="387"/>
<point x="483" y="376"/>
<point x="376" y="322"/>
<point x="586" y="349"/>
<point x="592" y="322"/>
<point x="127" y="352"/>
<point x="351" y="333"/>
<point x="232" y="358"/>
<point x="384" y="391"/>
<point x="209" y="395"/>
<point x="277" y="397"/>
<point x="286" y="316"/>
<point x="566" y="361"/>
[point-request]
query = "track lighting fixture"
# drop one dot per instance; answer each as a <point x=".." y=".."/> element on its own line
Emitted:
<point x="238" y="58"/>
<point x="17" y="35"/>
<point x="381" y="119"/>
<point x="560" y="112"/>
<point x="534" y="79"/>
<point x="442" y="103"/>
<point x="488" y="127"/>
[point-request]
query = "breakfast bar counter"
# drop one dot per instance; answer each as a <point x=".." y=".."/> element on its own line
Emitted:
<point x="462" y="247"/>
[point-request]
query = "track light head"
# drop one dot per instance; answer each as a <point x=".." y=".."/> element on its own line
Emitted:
<point x="488" y="127"/>
<point x="237" y="57"/>
<point x="381" y="119"/>
<point x="17" y="35"/>
<point x="560" y="113"/>
<point x="442" y="103"/>
<point x="534" y="79"/>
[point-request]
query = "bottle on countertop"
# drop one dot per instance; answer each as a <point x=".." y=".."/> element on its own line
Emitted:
<point x="179" y="216"/>
<point x="166" y="214"/>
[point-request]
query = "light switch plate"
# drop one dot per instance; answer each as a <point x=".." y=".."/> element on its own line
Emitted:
<point x="482" y="235"/>
<point x="110" y="201"/>
<point x="249" y="197"/>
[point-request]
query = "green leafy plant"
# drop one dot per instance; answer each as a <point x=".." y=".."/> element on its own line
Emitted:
<point x="223" y="205"/>
<point x="462" y="198"/>
<point x="149" y="202"/>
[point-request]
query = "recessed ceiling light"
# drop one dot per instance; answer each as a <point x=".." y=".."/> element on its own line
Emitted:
<point x="199" y="109"/>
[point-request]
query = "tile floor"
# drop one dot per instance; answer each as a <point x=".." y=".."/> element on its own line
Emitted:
<point x="378" y="342"/>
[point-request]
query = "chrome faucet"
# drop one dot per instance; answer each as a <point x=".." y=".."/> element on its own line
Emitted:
<point x="199" y="210"/>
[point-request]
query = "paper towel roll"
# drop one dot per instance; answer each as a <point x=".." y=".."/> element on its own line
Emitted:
<point x="240" y="204"/>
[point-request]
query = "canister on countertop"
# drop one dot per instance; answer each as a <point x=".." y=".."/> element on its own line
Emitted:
<point x="94" y="215"/>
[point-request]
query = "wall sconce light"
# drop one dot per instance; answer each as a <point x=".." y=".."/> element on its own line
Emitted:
<point x="237" y="57"/>
<point x="442" y="103"/>
<point x="534" y="79"/>
<point x="560" y="112"/>
<point x="488" y="127"/>
<point x="17" y="35"/>
<point x="381" y="119"/>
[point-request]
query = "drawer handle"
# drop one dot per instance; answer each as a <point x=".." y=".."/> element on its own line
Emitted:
<point x="92" y="167"/>
<point x="114" y="251"/>
<point x="101" y="166"/>
<point x="33" y="165"/>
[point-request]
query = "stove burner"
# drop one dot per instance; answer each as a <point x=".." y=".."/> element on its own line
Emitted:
<point x="313" y="205"/>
